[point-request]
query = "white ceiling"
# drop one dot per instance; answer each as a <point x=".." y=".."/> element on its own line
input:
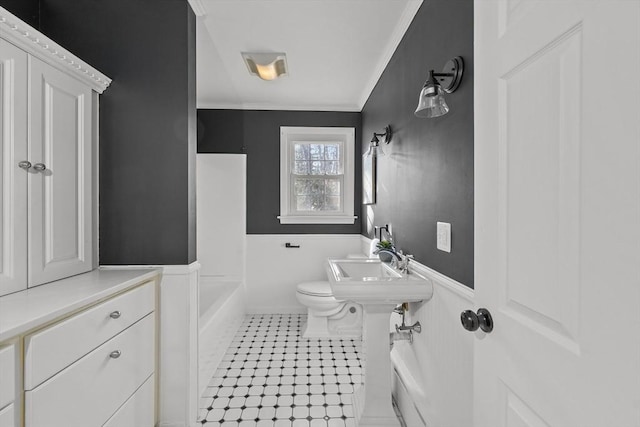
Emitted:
<point x="336" y="50"/>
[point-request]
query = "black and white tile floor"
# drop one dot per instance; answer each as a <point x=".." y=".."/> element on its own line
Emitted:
<point x="272" y="377"/>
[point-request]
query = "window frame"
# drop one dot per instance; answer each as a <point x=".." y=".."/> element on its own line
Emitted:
<point x="289" y="136"/>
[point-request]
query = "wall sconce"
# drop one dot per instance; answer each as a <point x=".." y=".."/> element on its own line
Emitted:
<point x="431" y="102"/>
<point x="375" y="149"/>
<point x="267" y="66"/>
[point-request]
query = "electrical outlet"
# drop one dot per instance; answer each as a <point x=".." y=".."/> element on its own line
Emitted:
<point x="444" y="236"/>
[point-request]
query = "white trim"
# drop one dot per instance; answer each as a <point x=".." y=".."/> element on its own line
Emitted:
<point x="198" y="7"/>
<point x="446" y="281"/>
<point x="398" y="33"/>
<point x="346" y="137"/>
<point x="293" y="237"/>
<point x="317" y="219"/>
<point x="348" y="108"/>
<point x="37" y="44"/>
<point x="167" y="270"/>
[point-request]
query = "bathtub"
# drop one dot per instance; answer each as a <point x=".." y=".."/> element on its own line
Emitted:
<point x="221" y="311"/>
<point x="408" y="391"/>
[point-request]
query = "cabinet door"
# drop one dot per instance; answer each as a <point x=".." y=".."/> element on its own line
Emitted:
<point x="13" y="179"/>
<point x="60" y="230"/>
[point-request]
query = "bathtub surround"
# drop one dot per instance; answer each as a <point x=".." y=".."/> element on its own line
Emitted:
<point x="221" y="213"/>
<point x="427" y="174"/>
<point x="221" y="314"/>
<point x="257" y="134"/>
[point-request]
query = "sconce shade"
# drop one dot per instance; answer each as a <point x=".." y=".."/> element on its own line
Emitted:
<point x="431" y="102"/>
<point x="375" y="149"/>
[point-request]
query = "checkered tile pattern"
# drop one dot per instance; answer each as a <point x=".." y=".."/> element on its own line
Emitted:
<point x="272" y="377"/>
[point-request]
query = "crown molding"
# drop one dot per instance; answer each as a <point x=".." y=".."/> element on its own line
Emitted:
<point x="27" y="38"/>
<point x="278" y="107"/>
<point x="396" y="37"/>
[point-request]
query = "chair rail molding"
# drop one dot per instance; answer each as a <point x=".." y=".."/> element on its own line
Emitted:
<point x="42" y="47"/>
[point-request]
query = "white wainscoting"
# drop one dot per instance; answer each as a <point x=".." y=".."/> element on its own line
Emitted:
<point x="178" y="398"/>
<point x="273" y="271"/>
<point x="178" y="358"/>
<point x="434" y="375"/>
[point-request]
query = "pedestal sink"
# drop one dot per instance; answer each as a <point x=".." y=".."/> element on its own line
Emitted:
<point x="379" y="288"/>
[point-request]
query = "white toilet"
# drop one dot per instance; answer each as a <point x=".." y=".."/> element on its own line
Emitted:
<point x="328" y="317"/>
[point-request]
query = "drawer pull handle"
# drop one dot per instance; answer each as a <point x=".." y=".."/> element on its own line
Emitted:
<point x="115" y="315"/>
<point x="115" y="354"/>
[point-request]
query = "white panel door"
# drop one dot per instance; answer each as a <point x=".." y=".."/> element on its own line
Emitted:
<point x="60" y="239"/>
<point x="13" y="179"/>
<point x="557" y="210"/>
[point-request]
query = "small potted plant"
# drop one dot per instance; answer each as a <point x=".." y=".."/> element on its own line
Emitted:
<point x="384" y="250"/>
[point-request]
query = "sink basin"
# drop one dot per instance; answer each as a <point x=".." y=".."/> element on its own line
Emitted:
<point x="373" y="281"/>
<point x="379" y="288"/>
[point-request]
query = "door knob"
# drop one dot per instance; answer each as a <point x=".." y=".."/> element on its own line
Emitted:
<point x="472" y="321"/>
<point x="469" y="320"/>
<point x="485" y="319"/>
<point x="40" y="167"/>
<point x="25" y="164"/>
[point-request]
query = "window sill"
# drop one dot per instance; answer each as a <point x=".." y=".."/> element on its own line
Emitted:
<point x="319" y="219"/>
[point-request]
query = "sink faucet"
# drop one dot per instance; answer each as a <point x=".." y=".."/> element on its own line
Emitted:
<point x="399" y="260"/>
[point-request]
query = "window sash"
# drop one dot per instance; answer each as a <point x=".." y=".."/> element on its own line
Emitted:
<point x="293" y="206"/>
<point x="344" y="138"/>
<point x="292" y="156"/>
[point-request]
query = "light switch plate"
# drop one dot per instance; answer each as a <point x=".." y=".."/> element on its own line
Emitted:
<point x="444" y="236"/>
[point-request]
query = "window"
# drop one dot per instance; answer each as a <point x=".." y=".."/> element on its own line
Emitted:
<point x="316" y="175"/>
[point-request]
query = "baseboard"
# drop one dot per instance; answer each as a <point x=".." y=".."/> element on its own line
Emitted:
<point x="278" y="310"/>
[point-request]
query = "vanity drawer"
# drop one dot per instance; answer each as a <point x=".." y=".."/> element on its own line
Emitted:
<point x="7" y="374"/>
<point x="138" y="411"/>
<point x="7" y="418"/>
<point x="50" y="350"/>
<point x="89" y="391"/>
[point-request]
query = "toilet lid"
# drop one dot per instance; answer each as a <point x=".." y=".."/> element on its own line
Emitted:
<point x="319" y="289"/>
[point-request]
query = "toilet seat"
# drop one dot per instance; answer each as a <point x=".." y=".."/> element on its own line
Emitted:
<point x="315" y="289"/>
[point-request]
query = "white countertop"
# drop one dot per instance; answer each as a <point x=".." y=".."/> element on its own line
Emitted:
<point x="26" y="310"/>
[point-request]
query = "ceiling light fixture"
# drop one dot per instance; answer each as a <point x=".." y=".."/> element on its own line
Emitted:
<point x="431" y="102"/>
<point x="374" y="147"/>
<point x="267" y="66"/>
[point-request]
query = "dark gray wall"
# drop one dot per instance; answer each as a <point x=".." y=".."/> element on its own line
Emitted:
<point x="427" y="175"/>
<point x="147" y="121"/>
<point x="27" y="10"/>
<point x="257" y="133"/>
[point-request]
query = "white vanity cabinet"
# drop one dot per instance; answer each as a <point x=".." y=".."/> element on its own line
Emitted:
<point x="60" y="240"/>
<point x="8" y="384"/>
<point x="81" y="352"/>
<point x="13" y="179"/>
<point x="48" y="123"/>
